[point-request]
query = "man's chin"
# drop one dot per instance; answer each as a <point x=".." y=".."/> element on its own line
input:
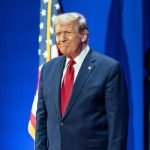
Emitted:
<point x="64" y="52"/>
<point x="68" y="56"/>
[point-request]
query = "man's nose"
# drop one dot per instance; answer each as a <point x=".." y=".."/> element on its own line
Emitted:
<point x="63" y="36"/>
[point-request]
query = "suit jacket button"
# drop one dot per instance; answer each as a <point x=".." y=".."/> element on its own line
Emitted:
<point x="61" y="124"/>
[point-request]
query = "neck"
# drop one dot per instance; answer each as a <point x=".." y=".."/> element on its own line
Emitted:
<point x="77" y="54"/>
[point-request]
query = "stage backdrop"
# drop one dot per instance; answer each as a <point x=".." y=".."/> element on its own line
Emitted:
<point x="115" y="28"/>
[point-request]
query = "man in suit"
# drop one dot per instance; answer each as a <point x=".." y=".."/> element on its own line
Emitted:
<point x="82" y="101"/>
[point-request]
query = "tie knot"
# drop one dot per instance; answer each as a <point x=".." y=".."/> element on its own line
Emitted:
<point x="71" y="62"/>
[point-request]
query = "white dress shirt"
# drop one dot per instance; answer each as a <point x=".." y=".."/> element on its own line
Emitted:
<point x="79" y="60"/>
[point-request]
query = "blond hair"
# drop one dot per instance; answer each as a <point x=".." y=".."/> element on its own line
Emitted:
<point x="70" y="17"/>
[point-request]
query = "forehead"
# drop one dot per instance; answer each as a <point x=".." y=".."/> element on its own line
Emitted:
<point x="66" y="26"/>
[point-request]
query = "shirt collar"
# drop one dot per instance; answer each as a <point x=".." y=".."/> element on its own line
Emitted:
<point x="79" y="59"/>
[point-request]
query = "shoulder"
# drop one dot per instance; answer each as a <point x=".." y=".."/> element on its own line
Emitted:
<point x="108" y="65"/>
<point x="104" y="60"/>
<point x="51" y="65"/>
<point x="54" y="62"/>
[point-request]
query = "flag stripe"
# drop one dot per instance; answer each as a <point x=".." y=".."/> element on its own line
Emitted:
<point x="31" y="130"/>
<point x="33" y="120"/>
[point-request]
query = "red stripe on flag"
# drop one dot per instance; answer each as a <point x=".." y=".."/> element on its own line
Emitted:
<point x="33" y="120"/>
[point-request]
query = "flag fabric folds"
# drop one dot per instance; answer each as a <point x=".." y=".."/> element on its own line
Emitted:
<point x="47" y="48"/>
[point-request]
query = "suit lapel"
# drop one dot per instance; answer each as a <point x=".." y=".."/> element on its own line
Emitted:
<point x="84" y="72"/>
<point x="57" y="84"/>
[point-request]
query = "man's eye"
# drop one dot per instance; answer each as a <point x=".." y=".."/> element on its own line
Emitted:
<point x="57" y="33"/>
<point x="68" y="32"/>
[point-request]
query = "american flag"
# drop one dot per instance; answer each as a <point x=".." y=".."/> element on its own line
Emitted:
<point x="47" y="48"/>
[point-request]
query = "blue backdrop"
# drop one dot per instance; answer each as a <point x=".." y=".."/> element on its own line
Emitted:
<point x="116" y="28"/>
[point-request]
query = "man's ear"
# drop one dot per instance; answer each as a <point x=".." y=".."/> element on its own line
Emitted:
<point x="84" y="36"/>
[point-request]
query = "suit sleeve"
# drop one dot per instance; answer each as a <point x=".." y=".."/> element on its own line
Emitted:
<point x="116" y="99"/>
<point x="41" y="119"/>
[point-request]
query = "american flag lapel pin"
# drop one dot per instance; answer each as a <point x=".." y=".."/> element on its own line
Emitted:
<point x="89" y="67"/>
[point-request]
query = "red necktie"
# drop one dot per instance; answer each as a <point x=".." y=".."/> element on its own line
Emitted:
<point x="67" y="85"/>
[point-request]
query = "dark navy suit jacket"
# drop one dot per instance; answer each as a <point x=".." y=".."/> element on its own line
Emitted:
<point x="97" y="114"/>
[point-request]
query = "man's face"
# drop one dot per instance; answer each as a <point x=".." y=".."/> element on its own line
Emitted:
<point x="68" y="39"/>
